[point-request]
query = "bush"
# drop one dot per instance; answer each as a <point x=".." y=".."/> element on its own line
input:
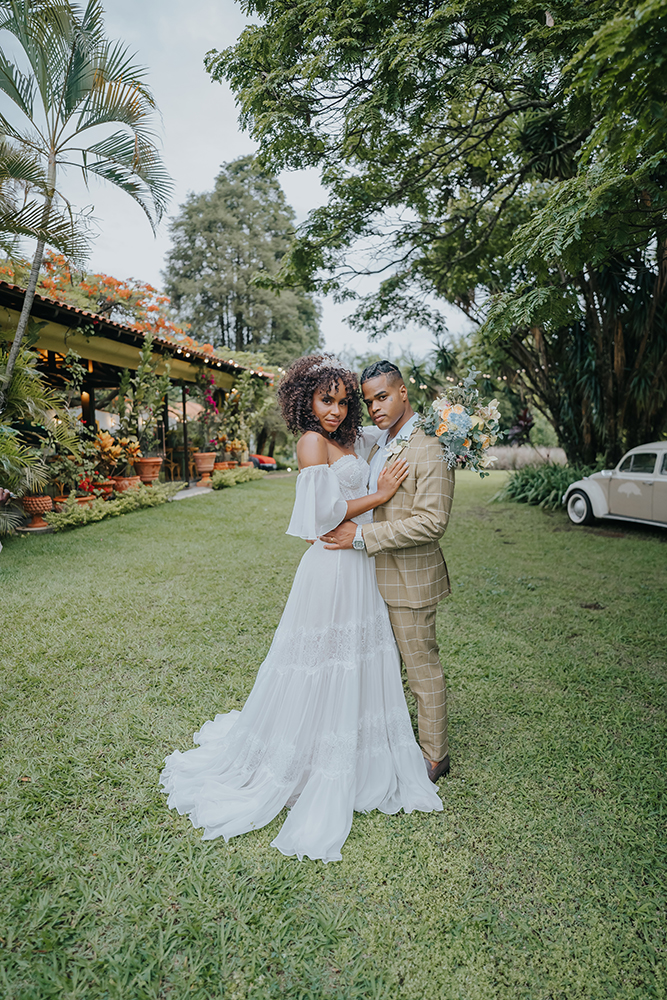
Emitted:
<point x="543" y="486"/>
<point x="74" y="515"/>
<point x="232" y="477"/>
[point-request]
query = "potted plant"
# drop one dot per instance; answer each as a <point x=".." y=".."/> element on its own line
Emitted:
<point x="35" y="506"/>
<point x="130" y="452"/>
<point x="140" y="397"/>
<point x="204" y="461"/>
<point x="108" y="453"/>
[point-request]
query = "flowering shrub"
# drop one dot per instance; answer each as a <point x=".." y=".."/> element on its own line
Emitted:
<point x="465" y="427"/>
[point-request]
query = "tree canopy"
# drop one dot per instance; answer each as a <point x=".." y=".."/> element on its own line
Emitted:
<point x="506" y="157"/>
<point x="224" y="242"/>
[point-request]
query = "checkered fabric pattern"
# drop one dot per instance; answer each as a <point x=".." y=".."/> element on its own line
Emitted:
<point x="414" y="629"/>
<point x="405" y="534"/>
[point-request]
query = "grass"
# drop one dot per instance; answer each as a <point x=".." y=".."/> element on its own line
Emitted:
<point x="544" y="878"/>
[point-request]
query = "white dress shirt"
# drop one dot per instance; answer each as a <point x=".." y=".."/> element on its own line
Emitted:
<point x="380" y="457"/>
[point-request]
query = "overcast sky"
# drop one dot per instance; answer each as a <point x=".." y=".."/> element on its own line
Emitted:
<point x="200" y="132"/>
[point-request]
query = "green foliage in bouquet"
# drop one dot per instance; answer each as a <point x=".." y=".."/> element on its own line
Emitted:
<point x="232" y="477"/>
<point x="543" y="486"/>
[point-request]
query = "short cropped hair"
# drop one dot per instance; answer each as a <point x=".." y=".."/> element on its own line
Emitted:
<point x="302" y="380"/>
<point x="387" y="368"/>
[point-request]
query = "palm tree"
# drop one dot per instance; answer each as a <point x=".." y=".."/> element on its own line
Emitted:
<point x="77" y="88"/>
<point x="21" y="177"/>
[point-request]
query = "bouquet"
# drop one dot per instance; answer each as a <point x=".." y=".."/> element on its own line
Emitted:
<point x="465" y="427"/>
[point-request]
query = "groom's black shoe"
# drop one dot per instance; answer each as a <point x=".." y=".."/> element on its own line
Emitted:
<point x="440" y="770"/>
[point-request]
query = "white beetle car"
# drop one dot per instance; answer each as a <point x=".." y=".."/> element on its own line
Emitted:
<point x="636" y="490"/>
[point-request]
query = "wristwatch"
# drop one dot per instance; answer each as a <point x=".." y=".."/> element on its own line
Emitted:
<point x="358" y="541"/>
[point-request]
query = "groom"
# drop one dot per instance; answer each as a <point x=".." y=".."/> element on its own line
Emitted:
<point x="405" y="540"/>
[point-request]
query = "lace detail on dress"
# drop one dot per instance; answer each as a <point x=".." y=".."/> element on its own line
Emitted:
<point x="334" y="755"/>
<point x="309" y="651"/>
<point x="353" y="474"/>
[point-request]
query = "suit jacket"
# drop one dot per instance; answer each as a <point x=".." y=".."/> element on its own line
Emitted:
<point x="406" y="531"/>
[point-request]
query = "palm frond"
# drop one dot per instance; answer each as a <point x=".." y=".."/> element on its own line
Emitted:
<point x="133" y="166"/>
<point x="38" y="28"/>
<point x="10" y="130"/>
<point x="17" y="164"/>
<point x="28" y="396"/>
<point x="18" y="87"/>
<point x="22" y="467"/>
<point x="84" y="81"/>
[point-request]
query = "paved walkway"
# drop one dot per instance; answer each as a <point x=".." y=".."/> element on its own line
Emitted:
<point x="192" y="491"/>
<point x="199" y="491"/>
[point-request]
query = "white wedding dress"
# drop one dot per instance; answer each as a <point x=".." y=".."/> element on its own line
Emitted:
<point x="325" y="730"/>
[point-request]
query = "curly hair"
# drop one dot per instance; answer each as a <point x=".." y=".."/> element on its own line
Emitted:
<point x="298" y="386"/>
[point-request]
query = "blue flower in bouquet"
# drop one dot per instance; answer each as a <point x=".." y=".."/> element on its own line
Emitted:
<point x="458" y="426"/>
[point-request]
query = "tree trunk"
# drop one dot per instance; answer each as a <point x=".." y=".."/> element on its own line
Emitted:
<point x="238" y="325"/>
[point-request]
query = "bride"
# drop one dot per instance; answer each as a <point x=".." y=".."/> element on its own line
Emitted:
<point x="325" y="730"/>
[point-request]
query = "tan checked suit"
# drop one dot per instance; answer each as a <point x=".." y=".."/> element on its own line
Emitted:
<point x="412" y="576"/>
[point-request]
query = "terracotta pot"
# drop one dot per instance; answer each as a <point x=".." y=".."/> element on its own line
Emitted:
<point x="122" y="483"/>
<point x="148" y="469"/>
<point x="85" y="501"/>
<point x="106" y="487"/>
<point x="36" y="506"/>
<point x="204" y="460"/>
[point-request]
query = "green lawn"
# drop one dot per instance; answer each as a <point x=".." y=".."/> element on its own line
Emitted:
<point x="544" y="878"/>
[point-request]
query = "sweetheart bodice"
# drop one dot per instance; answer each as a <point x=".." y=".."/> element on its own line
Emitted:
<point x="352" y="474"/>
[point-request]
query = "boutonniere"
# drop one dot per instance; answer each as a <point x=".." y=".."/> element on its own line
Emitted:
<point x="395" y="448"/>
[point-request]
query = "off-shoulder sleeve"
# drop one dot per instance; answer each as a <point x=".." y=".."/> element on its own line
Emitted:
<point x="367" y="437"/>
<point x="318" y="505"/>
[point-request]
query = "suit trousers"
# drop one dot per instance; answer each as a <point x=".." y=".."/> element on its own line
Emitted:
<point x="414" y="630"/>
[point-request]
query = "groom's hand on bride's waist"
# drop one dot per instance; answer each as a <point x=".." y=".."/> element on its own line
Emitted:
<point x="340" y="537"/>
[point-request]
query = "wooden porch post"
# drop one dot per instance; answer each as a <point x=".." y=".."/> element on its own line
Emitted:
<point x="186" y="456"/>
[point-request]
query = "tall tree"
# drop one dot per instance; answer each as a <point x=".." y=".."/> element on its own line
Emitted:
<point x="585" y="316"/>
<point x="479" y="146"/>
<point x="76" y="85"/>
<point x="223" y="242"/>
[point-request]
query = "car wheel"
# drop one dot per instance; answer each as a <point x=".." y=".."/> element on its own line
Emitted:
<point x="579" y="508"/>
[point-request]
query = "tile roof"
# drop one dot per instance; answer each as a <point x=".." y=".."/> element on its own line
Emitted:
<point x="46" y="308"/>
